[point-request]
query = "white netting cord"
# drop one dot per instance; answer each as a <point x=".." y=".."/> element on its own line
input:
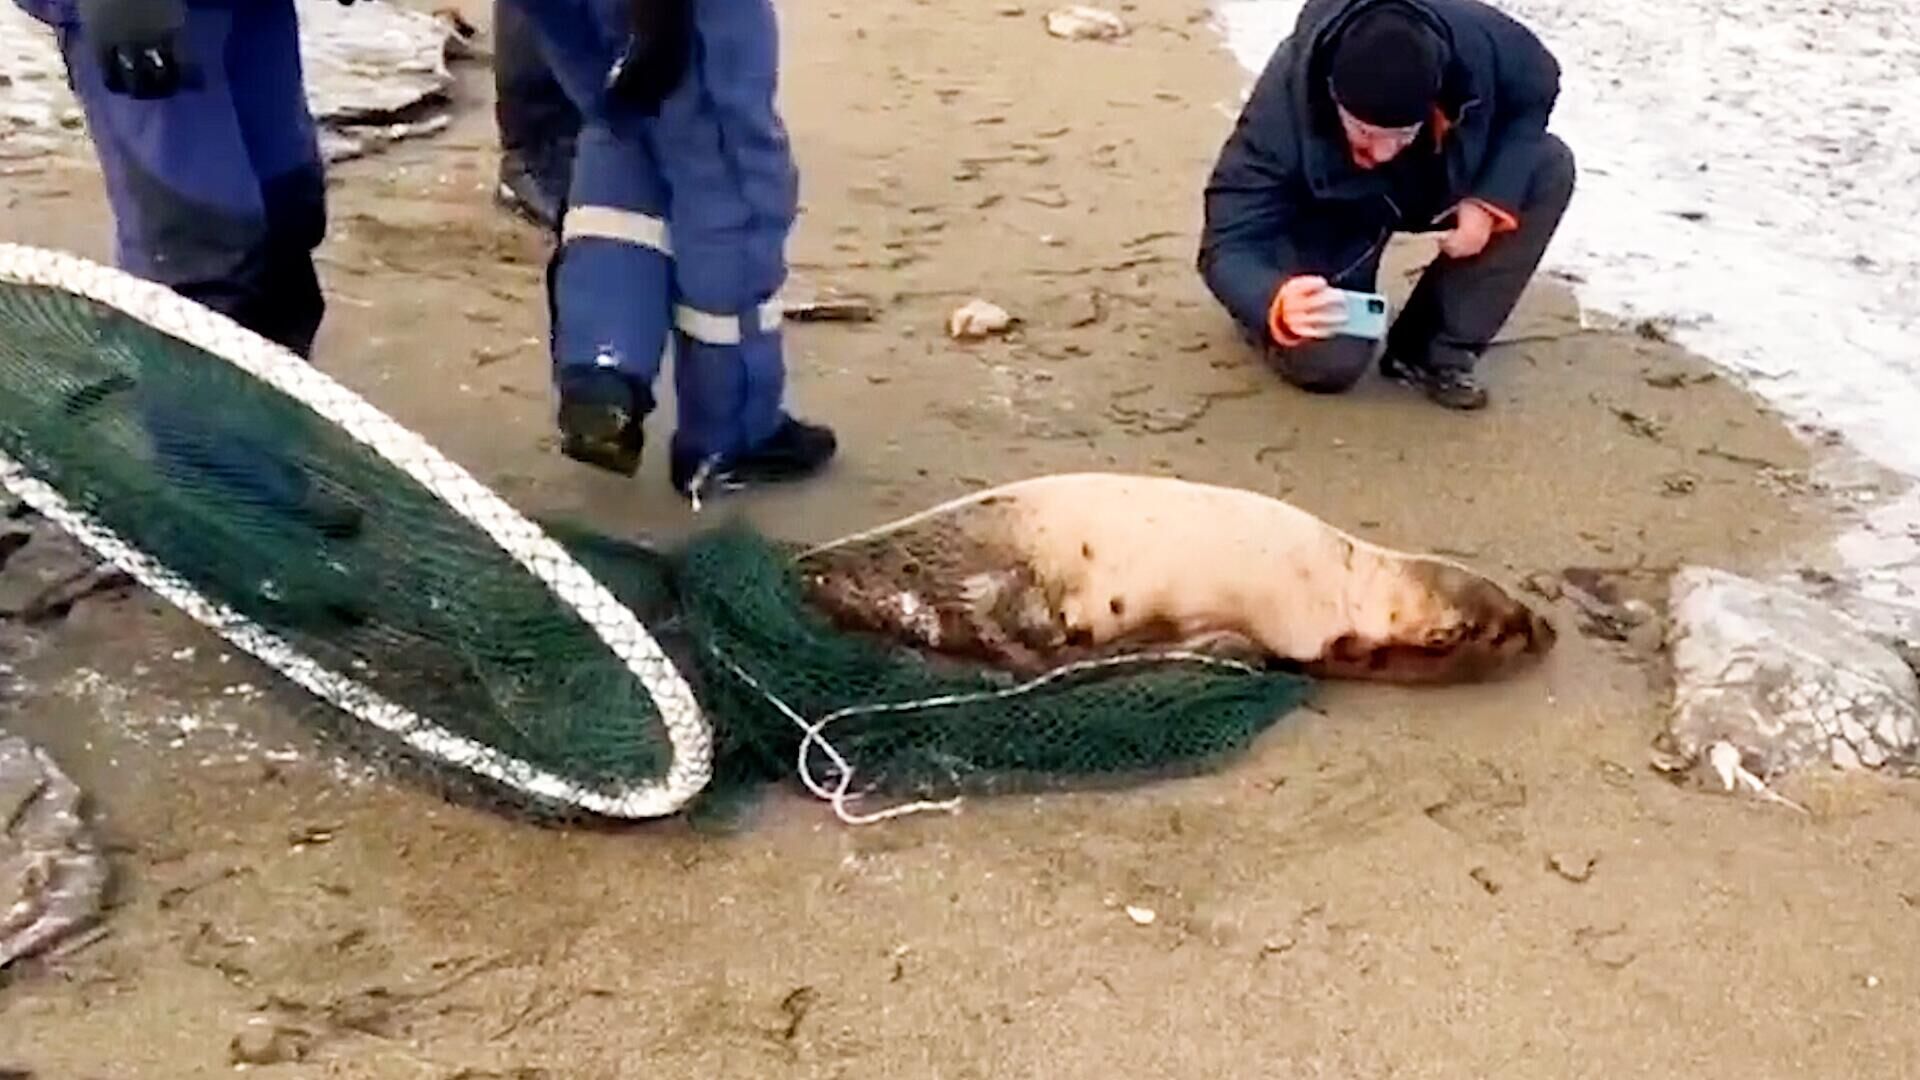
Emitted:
<point x="348" y="694"/>
<point x="166" y="311"/>
<point x="840" y="793"/>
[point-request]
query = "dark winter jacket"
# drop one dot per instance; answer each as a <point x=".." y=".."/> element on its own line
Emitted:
<point x="1285" y="197"/>
<point x="55" y="13"/>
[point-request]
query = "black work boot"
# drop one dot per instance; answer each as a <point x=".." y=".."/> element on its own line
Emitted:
<point x="795" y="451"/>
<point x="536" y="193"/>
<point x="601" y="413"/>
<point x="1452" y="388"/>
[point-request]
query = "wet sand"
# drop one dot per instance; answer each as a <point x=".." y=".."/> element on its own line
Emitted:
<point x="1470" y="882"/>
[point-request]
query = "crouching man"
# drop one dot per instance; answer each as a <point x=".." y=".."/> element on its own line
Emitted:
<point x="1375" y="117"/>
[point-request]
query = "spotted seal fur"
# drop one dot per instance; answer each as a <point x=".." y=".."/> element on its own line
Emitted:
<point x="1041" y="572"/>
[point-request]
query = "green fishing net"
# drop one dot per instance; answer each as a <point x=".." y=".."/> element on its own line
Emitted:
<point x="566" y="667"/>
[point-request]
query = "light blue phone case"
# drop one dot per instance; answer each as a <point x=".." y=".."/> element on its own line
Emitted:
<point x="1366" y="315"/>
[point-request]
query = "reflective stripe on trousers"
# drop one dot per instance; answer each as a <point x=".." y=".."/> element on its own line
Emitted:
<point x="648" y="231"/>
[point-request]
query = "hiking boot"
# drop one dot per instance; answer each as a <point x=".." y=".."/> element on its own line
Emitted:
<point x="525" y="190"/>
<point x="795" y="451"/>
<point x="600" y="418"/>
<point x="1452" y="388"/>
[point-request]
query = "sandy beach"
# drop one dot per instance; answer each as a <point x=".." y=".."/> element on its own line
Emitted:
<point x="1486" y="881"/>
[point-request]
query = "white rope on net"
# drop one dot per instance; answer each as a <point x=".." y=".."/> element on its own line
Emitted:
<point x="840" y="794"/>
<point x="165" y="311"/>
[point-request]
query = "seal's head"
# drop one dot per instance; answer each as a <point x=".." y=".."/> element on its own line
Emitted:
<point x="1448" y="625"/>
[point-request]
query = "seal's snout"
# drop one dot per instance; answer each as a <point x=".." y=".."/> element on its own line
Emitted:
<point x="1495" y="628"/>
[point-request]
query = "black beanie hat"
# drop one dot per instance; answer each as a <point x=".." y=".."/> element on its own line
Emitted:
<point x="1387" y="68"/>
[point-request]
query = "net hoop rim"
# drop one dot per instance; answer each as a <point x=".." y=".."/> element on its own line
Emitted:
<point x="168" y="312"/>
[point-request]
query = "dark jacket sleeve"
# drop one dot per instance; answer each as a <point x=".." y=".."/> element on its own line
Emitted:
<point x="1245" y="252"/>
<point x="1526" y="87"/>
<point x="55" y="13"/>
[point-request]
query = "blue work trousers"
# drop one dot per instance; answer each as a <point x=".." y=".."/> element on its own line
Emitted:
<point x="673" y="243"/>
<point x="218" y="191"/>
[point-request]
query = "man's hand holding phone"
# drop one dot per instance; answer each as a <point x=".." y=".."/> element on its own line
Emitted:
<point x="1306" y="307"/>
<point x="1310" y="308"/>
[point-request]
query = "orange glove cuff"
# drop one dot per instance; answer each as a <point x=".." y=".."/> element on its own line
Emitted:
<point x="1277" y="322"/>
<point x="1502" y="221"/>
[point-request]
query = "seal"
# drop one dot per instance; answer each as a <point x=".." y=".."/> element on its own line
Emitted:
<point x="1070" y="567"/>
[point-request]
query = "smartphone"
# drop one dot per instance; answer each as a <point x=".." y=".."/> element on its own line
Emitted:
<point x="1366" y="315"/>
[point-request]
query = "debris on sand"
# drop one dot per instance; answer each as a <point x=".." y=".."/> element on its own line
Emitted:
<point x="1677" y="380"/>
<point x="1678" y="484"/>
<point x="1640" y="426"/>
<point x="376" y="74"/>
<point x="1484" y="878"/>
<point x="795" y="1007"/>
<point x="1085" y="309"/>
<point x="460" y="33"/>
<point x="1052" y="198"/>
<point x="52" y="877"/>
<point x="1657" y="329"/>
<point x="57" y="599"/>
<point x="45" y="573"/>
<point x="1575" y="868"/>
<point x="1078" y="22"/>
<point x="827" y="306"/>
<point x="1606" y="614"/>
<point x="977" y="319"/>
<point x="1768" y="681"/>
<point x="263" y="1042"/>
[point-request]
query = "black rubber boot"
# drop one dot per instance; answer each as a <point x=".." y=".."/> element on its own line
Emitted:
<point x="795" y="451"/>
<point x="601" y="413"/>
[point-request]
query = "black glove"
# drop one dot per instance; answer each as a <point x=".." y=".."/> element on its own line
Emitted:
<point x="137" y="43"/>
<point x="659" y="47"/>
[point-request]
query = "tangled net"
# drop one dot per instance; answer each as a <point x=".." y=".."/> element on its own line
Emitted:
<point x="571" y="669"/>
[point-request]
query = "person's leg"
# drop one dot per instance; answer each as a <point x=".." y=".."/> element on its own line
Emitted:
<point x="609" y="298"/>
<point x="263" y="65"/>
<point x="537" y="122"/>
<point x="1332" y="365"/>
<point x="187" y="207"/>
<point x="609" y="279"/>
<point x="192" y="212"/>
<point x="734" y="193"/>
<point x="1460" y="304"/>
